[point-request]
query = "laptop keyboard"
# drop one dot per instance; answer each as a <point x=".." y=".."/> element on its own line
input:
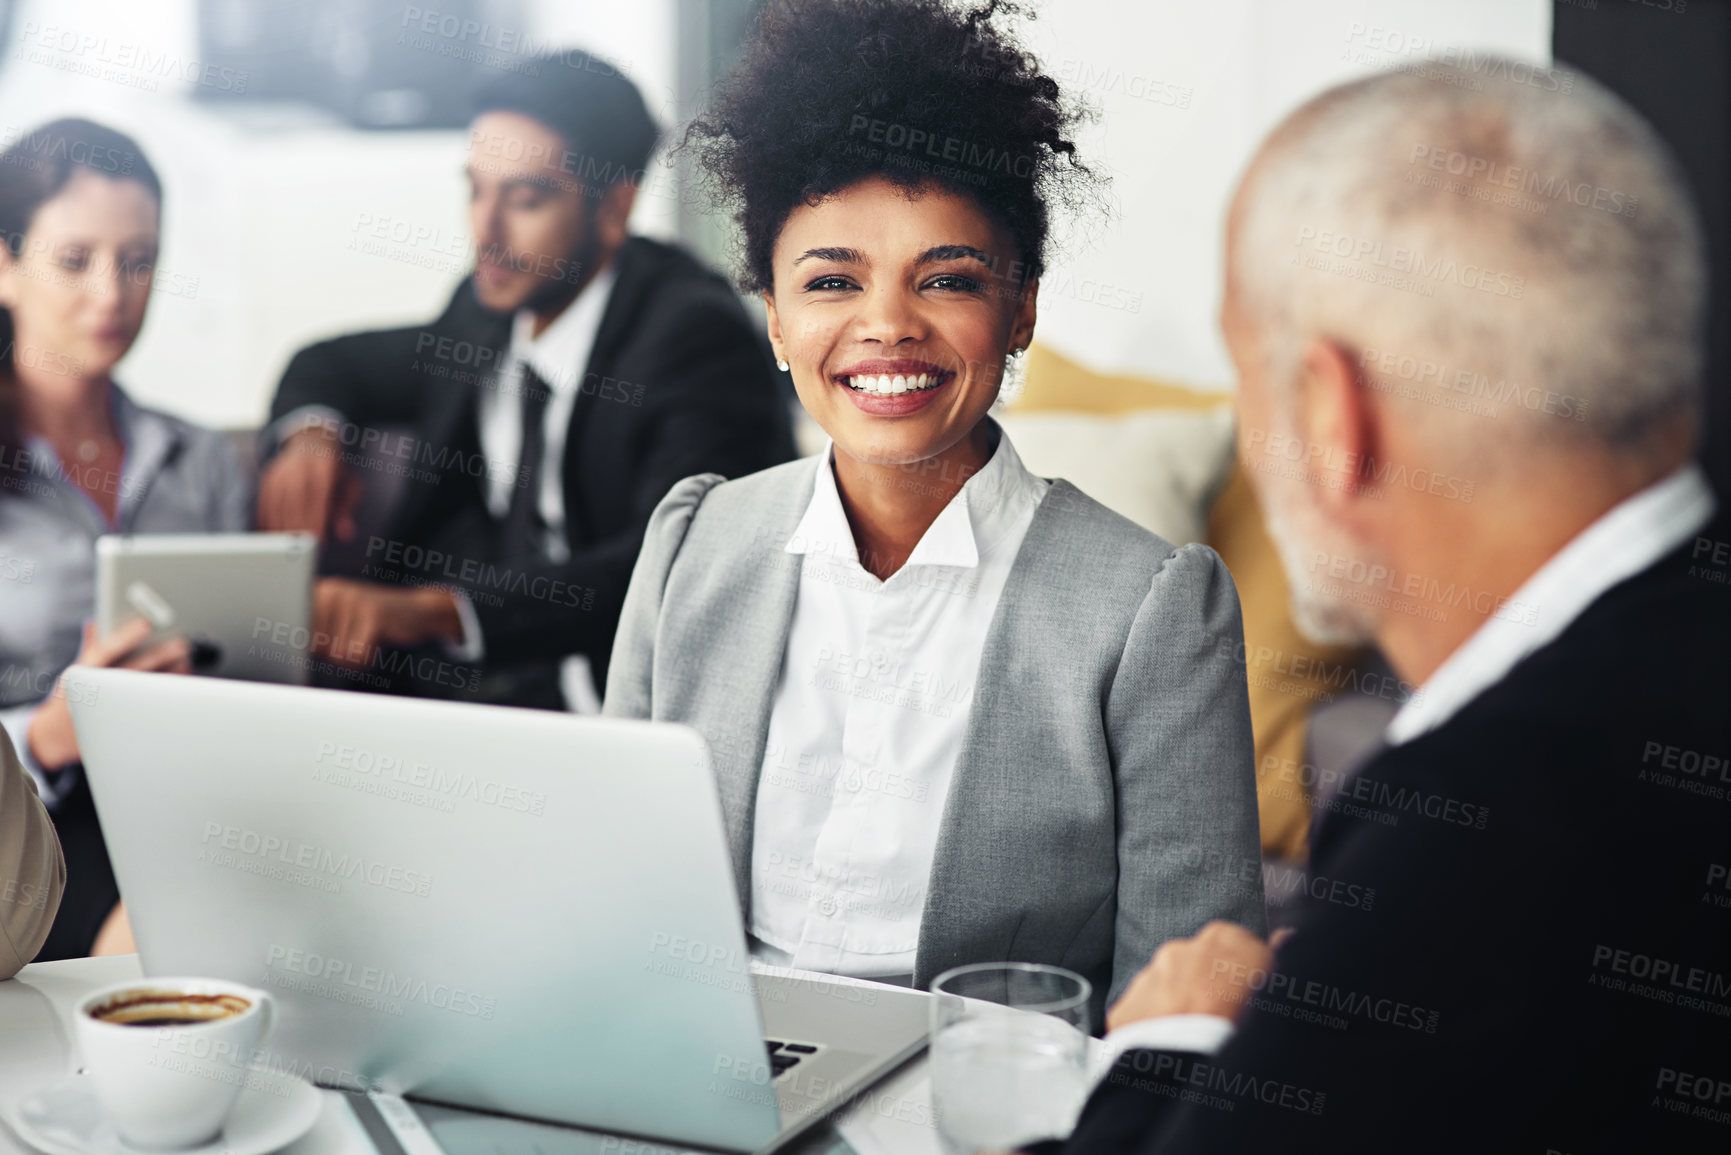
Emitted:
<point x="783" y="1057"/>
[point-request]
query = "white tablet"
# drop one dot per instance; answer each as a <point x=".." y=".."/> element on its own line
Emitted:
<point x="244" y="600"/>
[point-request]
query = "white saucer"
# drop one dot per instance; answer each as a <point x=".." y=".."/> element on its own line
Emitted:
<point x="63" y="1118"/>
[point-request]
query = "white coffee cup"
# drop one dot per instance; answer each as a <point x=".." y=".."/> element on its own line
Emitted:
<point x="164" y="1087"/>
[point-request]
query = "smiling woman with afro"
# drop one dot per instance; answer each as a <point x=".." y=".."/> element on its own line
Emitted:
<point x="958" y="713"/>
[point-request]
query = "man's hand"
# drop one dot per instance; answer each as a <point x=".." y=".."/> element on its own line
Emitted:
<point x="1214" y="973"/>
<point x="52" y="741"/>
<point x="352" y="619"/>
<point x="307" y="489"/>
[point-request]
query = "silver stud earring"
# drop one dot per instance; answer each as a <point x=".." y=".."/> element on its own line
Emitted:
<point x="1010" y="386"/>
<point x="781" y="364"/>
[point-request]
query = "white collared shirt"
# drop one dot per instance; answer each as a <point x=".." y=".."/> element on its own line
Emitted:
<point x="867" y="722"/>
<point x="559" y="356"/>
<point x="1627" y="539"/>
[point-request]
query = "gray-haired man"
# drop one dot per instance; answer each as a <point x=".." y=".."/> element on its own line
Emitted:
<point x="1465" y="303"/>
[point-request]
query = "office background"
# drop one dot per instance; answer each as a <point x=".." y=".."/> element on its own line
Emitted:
<point x="286" y="221"/>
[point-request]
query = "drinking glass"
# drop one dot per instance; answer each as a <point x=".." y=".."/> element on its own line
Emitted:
<point x="1009" y="1056"/>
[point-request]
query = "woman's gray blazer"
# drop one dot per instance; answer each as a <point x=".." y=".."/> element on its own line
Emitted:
<point x="1104" y="799"/>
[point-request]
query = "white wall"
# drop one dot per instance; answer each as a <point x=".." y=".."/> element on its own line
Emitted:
<point x="269" y="211"/>
<point x="638" y="36"/>
<point x="1186" y="90"/>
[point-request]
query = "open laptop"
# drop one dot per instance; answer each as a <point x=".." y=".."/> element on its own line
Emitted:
<point x="505" y="910"/>
<point x="244" y="600"/>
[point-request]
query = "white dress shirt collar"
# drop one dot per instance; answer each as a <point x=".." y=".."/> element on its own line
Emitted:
<point x="988" y="505"/>
<point x="1626" y="540"/>
<point x="558" y="356"/>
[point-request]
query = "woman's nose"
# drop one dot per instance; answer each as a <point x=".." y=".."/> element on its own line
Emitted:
<point x="889" y="314"/>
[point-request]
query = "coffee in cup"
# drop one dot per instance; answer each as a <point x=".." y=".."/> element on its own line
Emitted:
<point x="158" y="1008"/>
<point x="168" y="1057"/>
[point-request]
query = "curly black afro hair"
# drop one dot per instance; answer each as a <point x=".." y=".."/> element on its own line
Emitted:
<point x="830" y="92"/>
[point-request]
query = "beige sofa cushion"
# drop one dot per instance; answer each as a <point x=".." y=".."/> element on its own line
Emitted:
<point x="1158" y="467"/>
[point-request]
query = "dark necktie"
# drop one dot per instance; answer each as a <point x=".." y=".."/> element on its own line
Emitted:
<point x="525" y="531"/>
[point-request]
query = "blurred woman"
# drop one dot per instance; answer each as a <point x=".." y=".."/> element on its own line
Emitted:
<point x="958" y="713"/>
<point x="80" y="212"/>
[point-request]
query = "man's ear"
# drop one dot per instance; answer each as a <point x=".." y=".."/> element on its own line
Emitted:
<point x="1341" y="431"/>
<point x="8" y="277"/>
<point x="613" y="218"/>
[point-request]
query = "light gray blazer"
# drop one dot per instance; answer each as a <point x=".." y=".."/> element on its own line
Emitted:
<point x="1104" y="799"/>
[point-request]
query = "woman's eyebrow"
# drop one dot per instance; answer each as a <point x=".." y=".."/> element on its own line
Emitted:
<point x="954" y="252"/>
<point x="843" y="256"/>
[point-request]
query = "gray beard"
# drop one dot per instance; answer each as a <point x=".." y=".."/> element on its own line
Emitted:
<point x="1299" y="533"/>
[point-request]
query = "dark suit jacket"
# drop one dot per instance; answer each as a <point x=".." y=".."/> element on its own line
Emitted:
<point x="678" y="382"/>
<point x="1538" y="958"/>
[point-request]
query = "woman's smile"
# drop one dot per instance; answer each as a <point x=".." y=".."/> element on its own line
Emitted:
<point x="883" y="387"/>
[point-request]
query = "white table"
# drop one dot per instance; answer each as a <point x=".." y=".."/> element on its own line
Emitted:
<point x="36" y="1049"/>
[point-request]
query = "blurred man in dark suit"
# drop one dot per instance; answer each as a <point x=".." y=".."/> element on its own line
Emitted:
<point x="1466" y="309"/>
<point x="573" y="378"/>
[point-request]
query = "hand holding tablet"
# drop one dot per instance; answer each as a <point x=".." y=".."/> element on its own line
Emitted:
<point x="51" y="741"/>
<point x="241" y="601"/>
